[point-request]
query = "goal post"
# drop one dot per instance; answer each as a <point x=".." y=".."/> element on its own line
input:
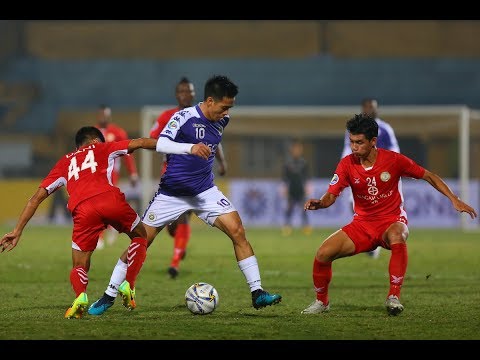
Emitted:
<point x="432" y="122"/>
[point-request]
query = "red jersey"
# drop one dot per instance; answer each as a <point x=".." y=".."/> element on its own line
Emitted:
<point x="115" y="133"/>
<point x="157" y="128"/>
<point x="86" y="172"/>
<point x="162" y="120"/>
<point x="377" y="191"/>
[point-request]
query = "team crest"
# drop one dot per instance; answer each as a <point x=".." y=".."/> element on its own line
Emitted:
<point x="334" y="179"/>
<point x="385" y="176"/>
<point x="151" y="216"/>
<point x="172" y="124"/>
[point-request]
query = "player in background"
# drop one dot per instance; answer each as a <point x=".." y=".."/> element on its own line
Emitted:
<point x="295" y="186"/>
<point x="180" y="229"/>
<point x="380" y="219"/>
<point x="113" y="132"/>
<point x="386" y="140"/>
<point x="93" y="202"/>
<point x="188" y="184"/>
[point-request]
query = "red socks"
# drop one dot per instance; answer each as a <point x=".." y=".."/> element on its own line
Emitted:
<point x="136" y="254"/>
<point x="182" y="235"/>
<point x="322" y="274"/>
<point x="79" y="280"/>
<point x="397" y="267"/>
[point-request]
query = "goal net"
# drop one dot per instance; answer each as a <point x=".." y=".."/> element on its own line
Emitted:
<point x="444" y="139"/>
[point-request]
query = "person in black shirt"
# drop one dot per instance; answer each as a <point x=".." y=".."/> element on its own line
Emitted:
<point x="295" y="181"/>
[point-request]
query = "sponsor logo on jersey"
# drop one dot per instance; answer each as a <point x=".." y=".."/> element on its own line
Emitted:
<point x="334" y="179"/>
<point x="385" y="176"/>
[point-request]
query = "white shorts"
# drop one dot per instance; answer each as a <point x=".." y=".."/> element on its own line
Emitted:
<point x="208" y="205"/>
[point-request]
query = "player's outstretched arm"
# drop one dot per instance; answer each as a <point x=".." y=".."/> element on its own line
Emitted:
<point x="167" y="146"/>
<point x="10" y="240"/>
<point x="438" y="183"/>
<point x="142" y="143"/>
<point x="325" y="201"/>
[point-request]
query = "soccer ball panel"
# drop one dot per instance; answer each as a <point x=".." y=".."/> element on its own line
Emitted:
<point x="201" y="298"/>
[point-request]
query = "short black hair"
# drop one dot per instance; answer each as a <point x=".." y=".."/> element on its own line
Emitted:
<point x="218" y="87"/>
<point x="363" y="124"/>
<point x="86" y="134"/>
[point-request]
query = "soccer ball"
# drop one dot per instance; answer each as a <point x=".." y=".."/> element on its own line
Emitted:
<point x="201" y="298"/>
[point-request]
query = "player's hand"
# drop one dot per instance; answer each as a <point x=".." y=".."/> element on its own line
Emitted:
<point x="462" y="207"/>
<point x="9" y="241"/>
<point x="222" y="168"/>
<point x="312" y="204"/>
<point x="201" y="150"/>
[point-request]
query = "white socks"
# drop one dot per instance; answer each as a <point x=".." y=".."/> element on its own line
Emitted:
<point x="118" y="275"/>
<point x="249" y="267"/>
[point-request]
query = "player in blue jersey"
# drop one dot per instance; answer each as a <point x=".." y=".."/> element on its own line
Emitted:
<point x="189" y="185"/>
<point x="386" y="140"/>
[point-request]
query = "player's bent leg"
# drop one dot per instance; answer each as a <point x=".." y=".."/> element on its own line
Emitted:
<point x="396" y="234"/>
<point x="182" y="236"/>
<point x="336" y="246"/>
<point x="231" y="225"/>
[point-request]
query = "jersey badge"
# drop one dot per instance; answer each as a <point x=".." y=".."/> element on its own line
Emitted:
<point x="385" y="176"/>
<point x="151" y="216"/>
<point x="334" y="179"/>
<point x="172" y="124"/>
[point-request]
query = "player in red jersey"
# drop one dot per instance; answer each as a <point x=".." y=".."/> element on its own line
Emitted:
<point x="113" y="132"/>
<point x="180" y="229"/>
<point x="380" y="219"/>
<point x="94" y="202"/>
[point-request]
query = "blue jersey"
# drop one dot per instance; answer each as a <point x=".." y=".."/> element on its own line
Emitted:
<point x="189" y="175"/>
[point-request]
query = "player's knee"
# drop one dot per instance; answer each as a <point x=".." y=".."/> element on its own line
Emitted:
<point x="172" y="228"/>
<point x="139" y="231"/>
<point x="236" y="232"/>
<point x="396" y="237"/>
<point x="326" y="254"/>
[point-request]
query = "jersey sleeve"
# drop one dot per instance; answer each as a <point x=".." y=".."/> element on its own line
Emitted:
<point x="173" y="125"/>
<point x="339" y="179"/>
<point x="56" y="178"/>
<point x="409" y="167"/>
<point x="128" y="159"/>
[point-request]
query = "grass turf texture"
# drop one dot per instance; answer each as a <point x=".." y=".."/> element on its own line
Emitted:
<point x="440" y="292"/>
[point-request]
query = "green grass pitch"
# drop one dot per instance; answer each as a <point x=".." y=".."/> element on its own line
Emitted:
<point x="441" y="291"/>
